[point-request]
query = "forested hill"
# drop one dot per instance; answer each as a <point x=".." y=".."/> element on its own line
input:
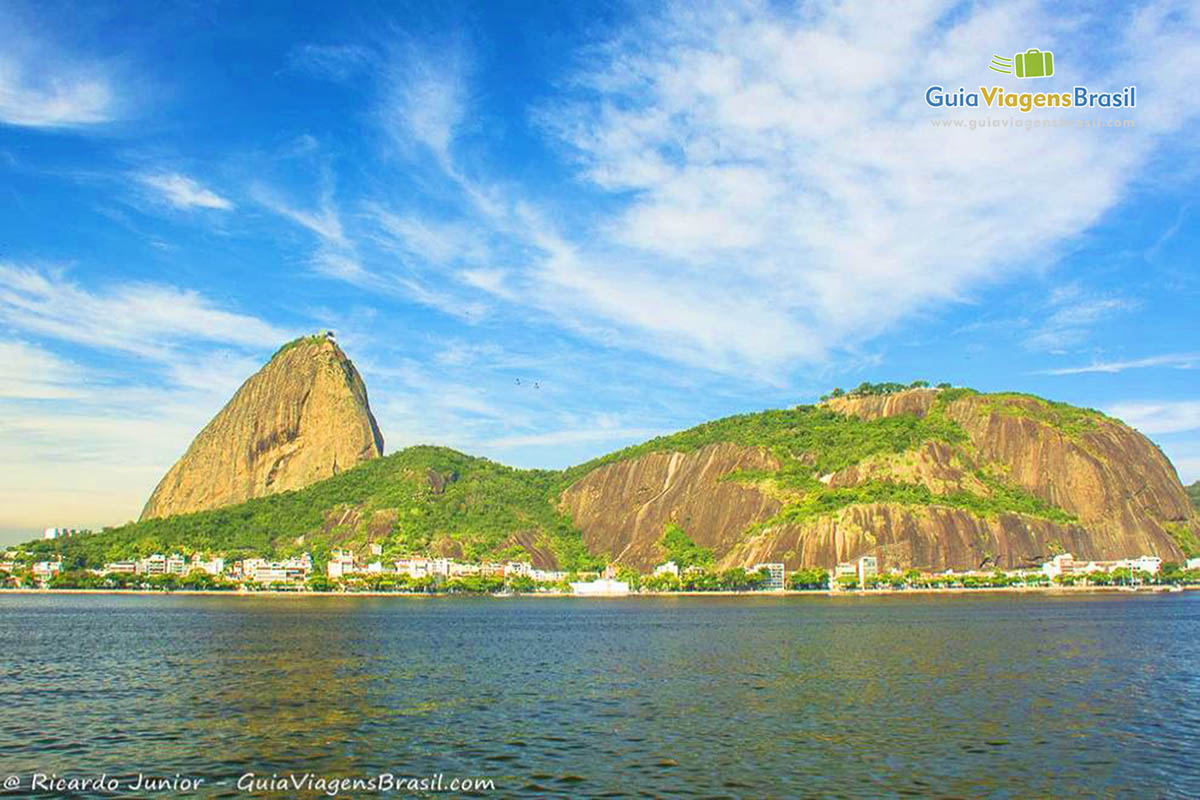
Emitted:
<point x="927" y="477"/>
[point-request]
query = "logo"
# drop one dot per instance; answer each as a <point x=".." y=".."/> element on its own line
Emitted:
<point x="1033" y="63"/>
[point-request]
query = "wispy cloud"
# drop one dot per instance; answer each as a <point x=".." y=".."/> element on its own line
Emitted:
<point x="1158" y="418"/>
<point x="1171" y="361"/>
<point x="43" y="87"/>
<point x="146" y="319"/>
<point x="754" y="211"/>
<point x="333" y="61"/>
<point x="1068" y="316"/>
<point x="30" y="372"/>
<point x="425" y="97"/>
<point x="183" y="192"/>
<point x="323" y="220"/>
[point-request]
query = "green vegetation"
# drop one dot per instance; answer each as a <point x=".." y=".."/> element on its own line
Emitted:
<point x="390" y="500"/>
<point x="680" y="548"/>
<point x="487" y="511"/>
<point x="1003" y="500"/>
<point x="1067" y="419"/>
<point x="316" y="338"/>
<point x="827" y="440"/>
<point x="814" y="578"/>
<point x="1194" y="493"/>
<point x="1185" y="537"/>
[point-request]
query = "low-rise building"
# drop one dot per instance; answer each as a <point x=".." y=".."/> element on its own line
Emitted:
<point x="176" y="565"/>
<point x="123" y="567"/>
<point x="667" y="568"/>
<point x="45" y="570"/>
<point x="775" y="576"/>
<point x="518" y="569"/>
<point x="1192" y="563"/>
<point x="341" y="563"/>
<point x="547" y="575"/>
<point x="606" y="587"/>
<point x="214" y="566"/>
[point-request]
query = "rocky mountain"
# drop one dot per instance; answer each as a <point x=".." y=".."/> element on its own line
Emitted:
<point x="928" y="478"/>
<point x="300" y="419"/>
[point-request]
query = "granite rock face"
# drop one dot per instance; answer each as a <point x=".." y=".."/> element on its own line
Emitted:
<point x="1121" y="491"/>
<point x="301" y="418"/>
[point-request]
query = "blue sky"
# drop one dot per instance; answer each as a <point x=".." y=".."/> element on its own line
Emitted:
<point x="660" y="214"/>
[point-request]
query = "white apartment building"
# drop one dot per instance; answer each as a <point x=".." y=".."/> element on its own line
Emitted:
<point x="775" y="571"/>
<point x="667" y="568"/>
<point x="341" y="563"/>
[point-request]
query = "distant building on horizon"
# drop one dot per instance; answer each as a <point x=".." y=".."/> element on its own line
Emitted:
<point x="60" y="533"/>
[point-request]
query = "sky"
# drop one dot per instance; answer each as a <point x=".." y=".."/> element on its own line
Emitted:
<point x="543" y="231"/>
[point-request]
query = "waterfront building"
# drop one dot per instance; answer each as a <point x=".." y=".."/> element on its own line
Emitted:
<point x="439" y="566"/>
<point x="667" y="568"/>
<point x="868" y="567"/>
<point x="414" y="567"/>
<point x="153" y="565"/>
<point x="176" y="565"/>
<point x="546" y="576"/>
<point x="214" y="567"/>
<point x="605" y="587"/>
<point x="341" y="563"/>
<point x="45" y="570"/>
<point x="775" y="572"/>
<point x="518" y="569"/>
<point x="845" y="568"/>
<point x="1192" y="563"/>
<point x="457" y="569"/>
<point x="292" y="570"/>
<point x="125" y="567"/>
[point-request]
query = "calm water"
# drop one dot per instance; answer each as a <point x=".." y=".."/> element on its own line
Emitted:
<point x="951" y="696"/>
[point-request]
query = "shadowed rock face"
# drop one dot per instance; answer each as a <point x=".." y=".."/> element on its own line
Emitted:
<point x="622" y="507"/>
<point x="1122" y="489"/>
<point x="302" y="418"/>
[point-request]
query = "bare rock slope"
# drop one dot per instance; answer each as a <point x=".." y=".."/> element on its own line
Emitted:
<point x="300" y="419"/>
<point x="1019" y="480"/>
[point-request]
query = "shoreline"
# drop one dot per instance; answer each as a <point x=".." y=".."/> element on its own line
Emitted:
<point x="834" y="593"/>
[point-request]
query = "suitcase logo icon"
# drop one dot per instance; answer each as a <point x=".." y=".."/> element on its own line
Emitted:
<point x="1033" y="63"/>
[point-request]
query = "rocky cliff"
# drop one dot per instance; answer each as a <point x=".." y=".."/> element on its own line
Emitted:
<point x="300" y="419"/>
<point x="926" y="478"/>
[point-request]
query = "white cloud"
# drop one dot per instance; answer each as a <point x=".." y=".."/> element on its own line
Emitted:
<point x="782" y="193"/>
<point x="183" y="192"/>
<point x="323" y="220"/>
<point x="42" y="86"/>
<point x="29" y="372"/>
<point x="1158" y="418"/>
<point x="1069" y="315"/>
<point x="53" y="100"/>
<point x="1170" y="361"/>
<point x="425" y="99"/>
<point x="146" y="319"/>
